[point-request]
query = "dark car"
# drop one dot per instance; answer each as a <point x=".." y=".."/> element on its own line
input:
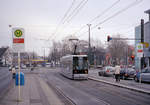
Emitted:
<point x="126" y="73"/>
<point x="145" y="75"/>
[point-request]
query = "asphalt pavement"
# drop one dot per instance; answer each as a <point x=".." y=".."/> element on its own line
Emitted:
<point x="5" y="80"/>
<point x="89" y="92"/>
<point x="35" y="92"/>
<point x="128" y="84"/>
<point x="46" y="86"/>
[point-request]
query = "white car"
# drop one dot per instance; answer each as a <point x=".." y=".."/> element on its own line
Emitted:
<point x="48" y="65"/>
<point x="23" y="67"/>
<point x="107" y="71"/>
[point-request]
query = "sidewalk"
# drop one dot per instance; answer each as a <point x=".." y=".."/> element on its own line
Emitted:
<point x="34" y="92"/>
<point x="128" y="84"/>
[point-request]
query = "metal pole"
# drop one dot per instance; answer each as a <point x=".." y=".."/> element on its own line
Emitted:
<point x="19" y="96"/>
<point x="142" y="40"/>
<point x="44" y="54"/>
<point x="140" y="72"/>
<point x="127" y="58"/>
<point x="44" y="57"/>
<point x="95" y="57"/>
<point x="89" y="55"/>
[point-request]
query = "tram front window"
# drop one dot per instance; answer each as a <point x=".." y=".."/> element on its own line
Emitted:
<point x="80" y="63"/>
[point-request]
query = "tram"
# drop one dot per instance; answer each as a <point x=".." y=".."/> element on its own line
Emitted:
<point x="75" y="66"/>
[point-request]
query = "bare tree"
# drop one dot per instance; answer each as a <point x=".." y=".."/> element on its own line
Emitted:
<point x="98" y="51"/>
<point x="117" y="49"/>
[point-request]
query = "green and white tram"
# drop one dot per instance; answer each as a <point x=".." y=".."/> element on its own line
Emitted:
<point x="75" y="66"/>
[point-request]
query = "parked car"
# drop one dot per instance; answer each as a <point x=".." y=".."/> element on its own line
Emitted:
<point x="48" y="65"/>
<point x="107" y="71"/>
<point x="145" y="75"/>
<point x="16" y="67"/>
<point x="126" y="73"/>
<point x="99" y="67"/>
<point x="23" y="66"/>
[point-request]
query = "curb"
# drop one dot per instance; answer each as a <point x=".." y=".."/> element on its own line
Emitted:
<point x="122" y="86"/>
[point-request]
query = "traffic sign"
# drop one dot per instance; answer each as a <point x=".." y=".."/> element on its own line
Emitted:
<point x="139" y="48"/>
<point x="18" y="39"/>
<point x="146" y="44"/>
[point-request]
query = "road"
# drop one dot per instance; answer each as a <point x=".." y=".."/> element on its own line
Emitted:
<point x="5" y="79"/>
<point x="94" y="93"/>
<point x="50" y="86"/>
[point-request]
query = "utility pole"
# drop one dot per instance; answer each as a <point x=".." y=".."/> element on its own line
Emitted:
<point x="44" y="54"/>
<point x="142" y="41"/>
<point x="89" y="52"/>
<point x="126" y="56"/>
<point x="95" y="63"/>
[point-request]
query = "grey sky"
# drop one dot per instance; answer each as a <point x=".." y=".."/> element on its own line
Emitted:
<point x="40" y="18"/>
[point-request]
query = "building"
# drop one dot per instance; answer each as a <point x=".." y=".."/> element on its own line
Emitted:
<point x="146" y="50"/>
<point x="5" y="56"/>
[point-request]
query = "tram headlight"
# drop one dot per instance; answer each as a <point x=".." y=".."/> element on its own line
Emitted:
<point x="75" y="71"/>
<point x="86" y="71"/>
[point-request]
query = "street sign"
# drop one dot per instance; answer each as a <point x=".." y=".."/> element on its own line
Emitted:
<point x="146" y="44"/>
<point x="146" y="48"/>
<point x="139" y="48"/>
<point x="18" y="39"/>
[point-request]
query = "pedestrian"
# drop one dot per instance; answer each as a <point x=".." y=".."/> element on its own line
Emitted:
<point x="117" y="73"/>
<point x="13" y="72"/>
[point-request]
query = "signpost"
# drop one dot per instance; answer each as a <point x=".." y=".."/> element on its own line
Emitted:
<point x="139" y="48"/>
<point x="18" y="46"/>
<point x="18" y="39"/>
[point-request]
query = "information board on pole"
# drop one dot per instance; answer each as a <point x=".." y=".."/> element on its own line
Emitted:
<point x="139" y="48"/>
<point x="18" y="35"/>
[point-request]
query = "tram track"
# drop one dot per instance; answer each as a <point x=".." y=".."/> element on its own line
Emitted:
<point x="64" y="98"/>
<point x="74" y="92"/>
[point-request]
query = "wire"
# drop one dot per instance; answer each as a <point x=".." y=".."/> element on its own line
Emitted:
<point x="68" y="11"/>
<point x="98" y="16"/>
<point x="115" y="14"/>
<point x="74" y="13"/>
<point x="65" y="15"/>
<point x="107" y="9"/>
<point x="77" y="11"/>
<point x="78" y="7"/>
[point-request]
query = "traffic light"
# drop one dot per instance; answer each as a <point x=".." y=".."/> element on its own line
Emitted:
<point x="108" y="38"/>
<point x="132" y="57"/>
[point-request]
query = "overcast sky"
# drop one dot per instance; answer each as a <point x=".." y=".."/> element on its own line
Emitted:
<point x="43" y="19"/>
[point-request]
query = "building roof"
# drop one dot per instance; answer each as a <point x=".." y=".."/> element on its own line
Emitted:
<point x="2" y="51"/>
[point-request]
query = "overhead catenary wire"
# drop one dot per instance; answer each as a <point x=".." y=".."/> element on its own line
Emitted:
<point x="73" y="13"/>
<point x="99" y="15"/>
<point x="76" y="9"/>
<point x="115" y="14"/>
<point x="65" y="15"/>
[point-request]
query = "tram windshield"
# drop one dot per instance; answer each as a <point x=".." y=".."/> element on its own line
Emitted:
<point x="80" y="63"/>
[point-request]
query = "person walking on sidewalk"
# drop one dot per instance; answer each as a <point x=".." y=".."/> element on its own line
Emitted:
<point x="117" y="73"/>
<point x="13" y="72"/>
